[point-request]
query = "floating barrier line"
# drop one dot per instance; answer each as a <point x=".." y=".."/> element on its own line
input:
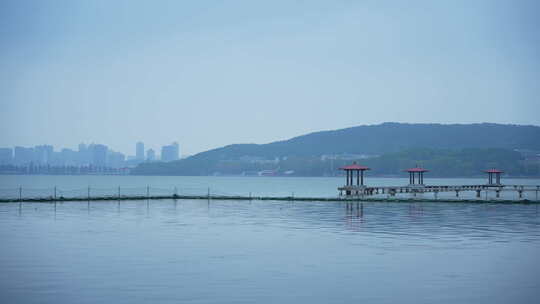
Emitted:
<point x="263" y="198"/>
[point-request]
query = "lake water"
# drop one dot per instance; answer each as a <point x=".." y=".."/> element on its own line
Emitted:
<point x="198" y="251"/>
<point x="43" y="185"/>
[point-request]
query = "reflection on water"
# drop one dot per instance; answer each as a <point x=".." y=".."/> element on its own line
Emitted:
<point x="268" y="252"/>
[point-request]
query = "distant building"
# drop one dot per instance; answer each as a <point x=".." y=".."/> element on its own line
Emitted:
<point x="43" y="154"/>
<point x="40" y="159"/>
<point x="176" y="150"/>
<point x="115" y="159"/>
<point x="139" y="151"/>
<point x="170" y="152"/>
<point x="68" y="157"/>
<point x="258" y="160"/>
<point x="84" y="157"/>
<point x="529" y="154"/>
<point x="150" y="155"/>
<point x="23" y="156"/>
<point x="347" y="156"/>
<point x="6" y="156"/>
<point x="99" y="155"/>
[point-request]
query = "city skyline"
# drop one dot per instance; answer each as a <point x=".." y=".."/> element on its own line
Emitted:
<point x="85" y="154"/>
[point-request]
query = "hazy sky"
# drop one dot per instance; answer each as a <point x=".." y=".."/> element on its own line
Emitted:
<point x="211" y="73"/>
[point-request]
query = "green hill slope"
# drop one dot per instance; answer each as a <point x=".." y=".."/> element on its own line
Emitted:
<point x="387" y="139"/>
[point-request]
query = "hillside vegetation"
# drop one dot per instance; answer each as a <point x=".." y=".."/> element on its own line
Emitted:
<point x="447" y="150"/>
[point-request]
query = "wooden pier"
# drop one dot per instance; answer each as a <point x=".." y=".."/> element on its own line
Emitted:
<point x="416" y="185"/>
<point x="457" y="189"/>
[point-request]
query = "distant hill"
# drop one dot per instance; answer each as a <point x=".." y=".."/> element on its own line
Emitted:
<point x="383" y="139"/>
<point x="389" y="137"/>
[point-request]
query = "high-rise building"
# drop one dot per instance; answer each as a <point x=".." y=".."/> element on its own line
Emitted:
<point x="166" y="153"/>
<point x="23" y="156"/>
<point x="150" y="155"/>
<point x="139" y="151"/>
<point x="68" y="157"/>
<point x="99" y="155"/>
<point x="6" y="156"/>
<point x="170" y="152"/>
<point x="176" y="150"/>
<point x="43" y="154"/>
<point x="115" y="159"/>
<point x="84" y="157"/>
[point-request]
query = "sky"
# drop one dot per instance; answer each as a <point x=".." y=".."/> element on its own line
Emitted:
<point x="212" y="73"/>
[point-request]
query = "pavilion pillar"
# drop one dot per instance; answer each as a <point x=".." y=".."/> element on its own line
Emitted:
<point x="347" y="173"/>
<point x="358" y="177"/>
<point x="362" y="177"/>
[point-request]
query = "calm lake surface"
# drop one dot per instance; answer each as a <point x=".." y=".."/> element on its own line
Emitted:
<point x="43" y="185"/>
<point x="198" y="251"/>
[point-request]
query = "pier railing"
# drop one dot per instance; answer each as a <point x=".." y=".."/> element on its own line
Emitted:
<point x="518" y="192"/>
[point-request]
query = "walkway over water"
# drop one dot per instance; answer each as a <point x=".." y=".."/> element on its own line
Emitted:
<point x="416" y="189"/>
<point x="416" y="185"/>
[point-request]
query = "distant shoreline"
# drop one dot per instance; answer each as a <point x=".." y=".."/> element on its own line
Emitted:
<point x="276" y="176"/>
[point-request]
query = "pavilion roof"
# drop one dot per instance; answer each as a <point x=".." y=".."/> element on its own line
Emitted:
<point x="355" y="166"/>
<point x="494" y="171"/>
<point x="417" y="169"/>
